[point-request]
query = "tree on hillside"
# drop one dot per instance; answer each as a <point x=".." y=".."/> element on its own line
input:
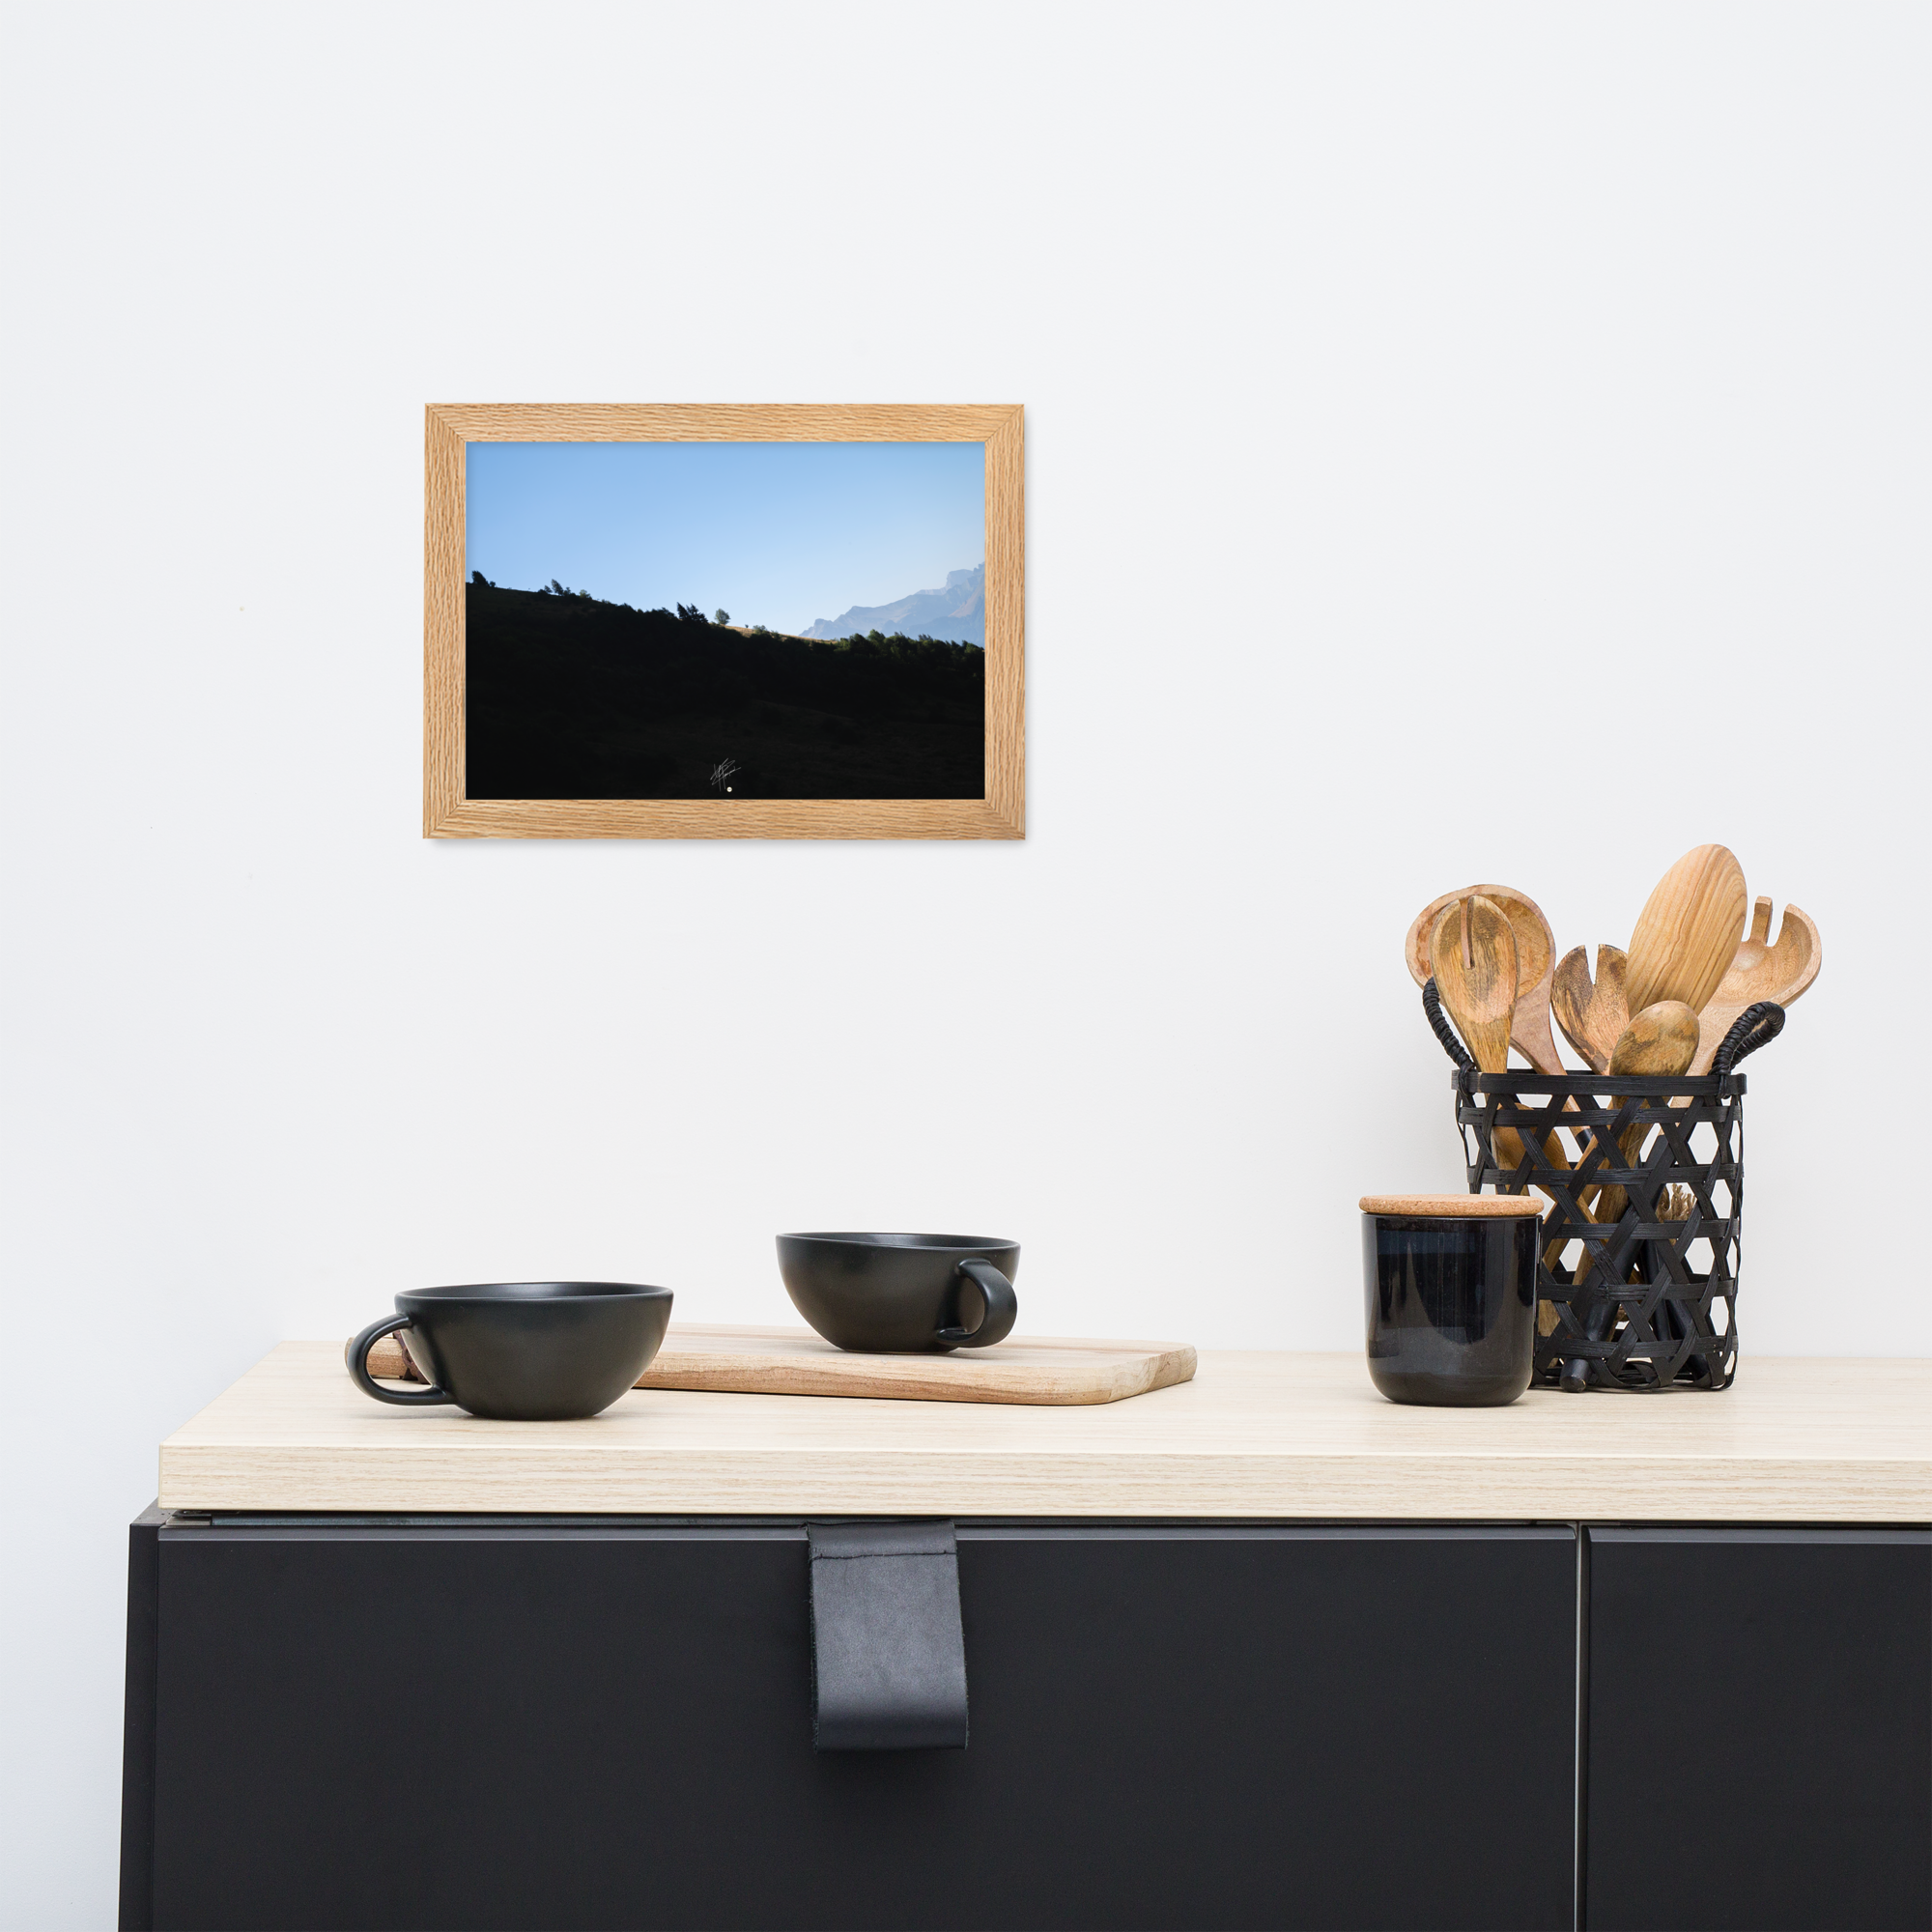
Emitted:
<point x="722" y="618"/>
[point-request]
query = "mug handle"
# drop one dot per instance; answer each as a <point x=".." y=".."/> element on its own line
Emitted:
<point x="356" y="1355"/>
<point x="1003" y="1308"/>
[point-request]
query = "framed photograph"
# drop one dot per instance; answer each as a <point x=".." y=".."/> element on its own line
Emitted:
<point x="724" y="621"/>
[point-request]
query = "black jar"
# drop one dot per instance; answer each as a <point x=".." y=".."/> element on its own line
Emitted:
<point x="1450" y="1286"/>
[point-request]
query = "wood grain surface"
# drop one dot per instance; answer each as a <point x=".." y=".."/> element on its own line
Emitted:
<point x="1688" y="932"/>
<point x="1592" y="1015"/>
<point x="1253" y="1434"/>
<point x="1760" y="971"/>
<point x="1470" y="1207"/>
<point x="449" y="814"/>
<point x="445" y="475"/>
<point x="794" y="1361"/>
<point x="726" y="422"/>
<point x="1472" y="959"/>
<point x="1657" y="1045"/>
<point x="1535" y="957"/>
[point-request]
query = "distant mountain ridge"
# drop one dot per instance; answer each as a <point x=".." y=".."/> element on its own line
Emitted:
<point x="958" y="612"/>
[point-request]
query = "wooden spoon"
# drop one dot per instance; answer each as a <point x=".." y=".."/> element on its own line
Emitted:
<point x="1661" y="1043"/>
<point x="1688" y="933"/>
<point x="1593" y="1017"/>
<point x="1760" y="971"/>
<point x="1535" y="961"/>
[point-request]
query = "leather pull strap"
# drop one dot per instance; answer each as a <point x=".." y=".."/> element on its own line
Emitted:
<point x="888" y="1656"/>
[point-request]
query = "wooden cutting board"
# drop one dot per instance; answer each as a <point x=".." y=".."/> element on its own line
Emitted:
<point x="794" y="1361"/>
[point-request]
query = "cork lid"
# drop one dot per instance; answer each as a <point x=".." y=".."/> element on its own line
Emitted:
<point x="1463" y="1206"/>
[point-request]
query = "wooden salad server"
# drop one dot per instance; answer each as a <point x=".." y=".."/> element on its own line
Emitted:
<point x="1593" y="1016"/>
<point x="1686" y="935"/>
<point x="1760" y="971"/>
<point x="1472" y="956"/>
<point x="1472" y="959"/>
<point x="1536" y="964"/>
<point x="1535" y="960"/>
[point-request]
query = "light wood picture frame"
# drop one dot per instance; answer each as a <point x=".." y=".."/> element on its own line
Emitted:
<point x="449" y="813"/>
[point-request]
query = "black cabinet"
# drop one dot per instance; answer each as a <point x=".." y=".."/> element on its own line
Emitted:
<point x="1760" y="1729"/>
<point x="598" y="1723"/>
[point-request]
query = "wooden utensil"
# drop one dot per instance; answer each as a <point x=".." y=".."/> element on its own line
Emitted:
<point x="1661" y="1043"/>
<point x="1529" y="1016"/>
<point x="1535" y="960"/>
<point x="1593" y="1016"/>
<point x="1472" y="957"/>
<point x="1688" y="933"/>
<point x="1760" y="971"/>
<point x="1677" y="1325"/>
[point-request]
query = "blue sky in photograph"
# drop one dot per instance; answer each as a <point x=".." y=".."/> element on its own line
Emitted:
<point x="776" y="534"/>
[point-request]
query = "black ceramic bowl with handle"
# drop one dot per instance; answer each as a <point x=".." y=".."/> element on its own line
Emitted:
<point x="903" y="1294"/>
<point x="521" y="1350"/>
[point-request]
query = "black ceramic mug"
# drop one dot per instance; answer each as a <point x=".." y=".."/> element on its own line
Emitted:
<point x="903" y="1294"/>
<point x="1450" y="1283"/>
<point x="521" y="1350"/>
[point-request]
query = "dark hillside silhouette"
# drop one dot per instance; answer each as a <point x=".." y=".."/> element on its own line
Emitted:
<point x="568" y="696"/>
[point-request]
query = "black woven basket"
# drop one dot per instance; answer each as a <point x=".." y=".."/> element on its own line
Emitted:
<point x="1645" y="1298"/>
<point x="1643" y="1301"/>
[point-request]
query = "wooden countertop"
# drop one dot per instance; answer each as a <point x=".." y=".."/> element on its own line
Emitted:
<point x="1253" y="1434"/>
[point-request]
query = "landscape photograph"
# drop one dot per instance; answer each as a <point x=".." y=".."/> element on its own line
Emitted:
<point x="719" y="620"/>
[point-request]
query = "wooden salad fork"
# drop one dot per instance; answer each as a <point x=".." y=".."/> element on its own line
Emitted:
<point x="1535" y="962"/>
<point x="1760" y="971"/>
<point x="1593" y="1016"/>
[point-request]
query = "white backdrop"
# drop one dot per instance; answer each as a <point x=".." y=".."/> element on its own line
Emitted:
<point x="1479" y="442"/>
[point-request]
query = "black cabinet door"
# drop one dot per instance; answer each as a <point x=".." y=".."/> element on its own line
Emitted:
<point x="557" y="1725"/>
<point x="1760" y="1729"/>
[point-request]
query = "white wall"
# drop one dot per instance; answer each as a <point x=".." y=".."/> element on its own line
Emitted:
<point x="1477" y="443"/>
